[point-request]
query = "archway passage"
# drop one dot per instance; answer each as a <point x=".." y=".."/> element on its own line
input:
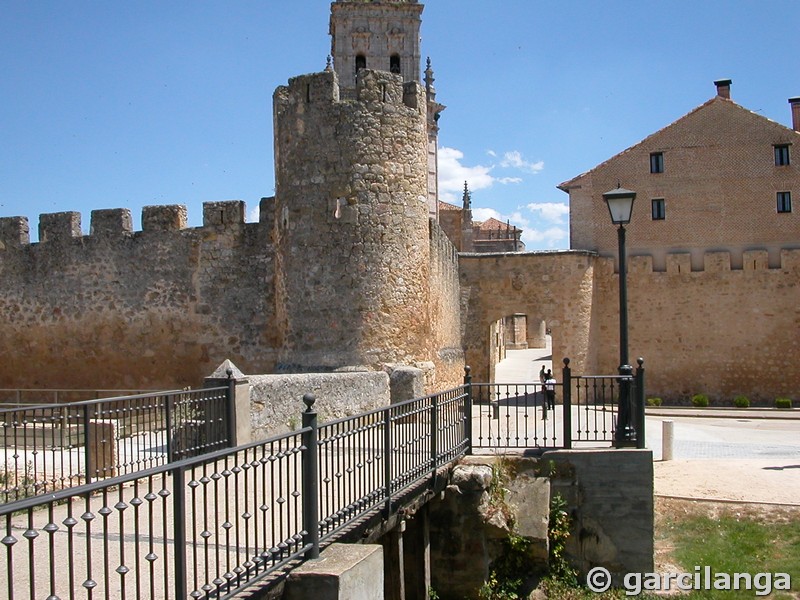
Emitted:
<point x="553" y="290"/>
<point x="526" y="347"/>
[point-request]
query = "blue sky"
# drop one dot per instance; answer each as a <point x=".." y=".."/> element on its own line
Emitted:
<point x="124" y="104"/>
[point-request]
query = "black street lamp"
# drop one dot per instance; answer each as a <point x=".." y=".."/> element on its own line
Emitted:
<point x="620" y="207"/>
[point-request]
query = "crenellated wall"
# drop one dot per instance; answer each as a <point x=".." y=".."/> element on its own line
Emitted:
<point x="718" y="331"/>
<point x="122" y="308"/>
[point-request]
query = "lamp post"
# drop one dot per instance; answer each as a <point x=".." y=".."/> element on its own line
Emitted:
<point x="620" y="207"/>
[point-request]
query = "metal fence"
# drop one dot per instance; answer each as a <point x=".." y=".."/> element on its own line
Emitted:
<point x="213" y="525"/>
<point x="583" y="409"/>
<point x="208" y="526"/>
<point x="49" y="447"/>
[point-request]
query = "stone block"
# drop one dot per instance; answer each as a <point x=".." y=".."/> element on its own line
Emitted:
<point x="101" y="440"/>
<point x="342" y="572"/>
<point x="14" y="231"/>
<point x="406" y="383"/>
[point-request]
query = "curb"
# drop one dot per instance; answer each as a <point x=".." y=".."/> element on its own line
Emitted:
<point x="725" y="413"/>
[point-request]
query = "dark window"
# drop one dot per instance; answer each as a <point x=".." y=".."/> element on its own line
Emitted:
<point x="361" y="62"/>
<point x="394" y="64"/>
<point x="781" y="155"/>
<point x="657" y="162"/>
<point x="784" y="202"/>
<point x="658" y="209"/>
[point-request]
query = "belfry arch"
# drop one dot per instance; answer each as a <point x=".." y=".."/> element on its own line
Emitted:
<point x="554" y="290"/>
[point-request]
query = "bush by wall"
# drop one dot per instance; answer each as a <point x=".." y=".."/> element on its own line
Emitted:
<point x="700" y="400"/>
<point x="783" y="403"/>
<point x="741" y="402"/>
<point x="654" y="402"/>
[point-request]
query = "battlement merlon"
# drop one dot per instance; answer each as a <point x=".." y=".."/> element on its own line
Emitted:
<point x="170" y="217"/>
<point x="60" y="226"/>
<point x="14" y="231"/>
<point x="224" y="215"/>
<point x="116" y="223"/>
<point x="111" y="222"/>
<point x="714" y="261"/>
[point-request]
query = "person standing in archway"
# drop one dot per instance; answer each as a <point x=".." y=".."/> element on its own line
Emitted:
<point x="550" y="387"/>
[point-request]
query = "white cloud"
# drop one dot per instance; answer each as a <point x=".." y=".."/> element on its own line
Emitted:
<point x="544" y="224"/>
<point x="552" y="212"/>
<point x="253" y="214"/>
<point x="551" y="237"/>
<point x="514" y="160"/>
<point x="453" y="174"/>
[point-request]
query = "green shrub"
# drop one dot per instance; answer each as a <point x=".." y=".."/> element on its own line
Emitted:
<point x="654" y="402"/>
<point x="700" y="400"/>
<point x="783" y="403"/>
<point x="741" y="402"/>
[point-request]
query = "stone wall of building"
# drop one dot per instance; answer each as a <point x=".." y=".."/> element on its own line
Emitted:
<point x="157" y="308"/>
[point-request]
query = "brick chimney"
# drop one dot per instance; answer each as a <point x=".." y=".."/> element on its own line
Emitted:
<point x="795" y="102"/>
<point x="723" y="88"/>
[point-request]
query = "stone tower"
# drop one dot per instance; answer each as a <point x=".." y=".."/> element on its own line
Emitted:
<point x="384" y="35"/>
<point x="351" y="222"/>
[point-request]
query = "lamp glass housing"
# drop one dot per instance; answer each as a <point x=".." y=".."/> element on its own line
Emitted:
<point x="620" y="205"/>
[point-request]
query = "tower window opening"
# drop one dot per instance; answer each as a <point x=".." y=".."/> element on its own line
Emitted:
<point x="394" y="64"/>
<point x="361" y="62"/>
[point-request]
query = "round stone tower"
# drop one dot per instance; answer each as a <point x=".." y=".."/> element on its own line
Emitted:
<point x="351" y="222"/>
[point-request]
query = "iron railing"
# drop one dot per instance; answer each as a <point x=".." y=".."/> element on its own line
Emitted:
<point x="208" y="526"/>
<point x="19" y="397"/>
<point x="518" y="415"/>
<point x="213" y="525"/>
<point x="49" y="447"/>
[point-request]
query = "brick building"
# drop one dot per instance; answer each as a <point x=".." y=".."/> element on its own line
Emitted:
<point x="719" y="179"/>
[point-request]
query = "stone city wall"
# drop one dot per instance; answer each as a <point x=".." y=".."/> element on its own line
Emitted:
<point x="719" y="331"/>
<point x="156" y="308"/>
<point x="446" y="352"/>
<point x="554" y="287"/>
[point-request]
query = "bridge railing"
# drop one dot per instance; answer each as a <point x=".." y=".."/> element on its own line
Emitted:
<point x="213" y="525"/>
<point x="209" y="526"/>
<point x="49" y="447"/>
<point x="578" y="409"/>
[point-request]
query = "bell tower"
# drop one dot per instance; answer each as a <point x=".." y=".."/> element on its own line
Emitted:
<point x="381" y="35"/>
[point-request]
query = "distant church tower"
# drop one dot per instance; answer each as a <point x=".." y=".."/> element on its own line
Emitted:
<point x="383" y="35"/>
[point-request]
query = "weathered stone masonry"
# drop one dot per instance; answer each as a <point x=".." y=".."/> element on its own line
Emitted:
<point x="342" y="270"/>
<point x="117" y="308"/>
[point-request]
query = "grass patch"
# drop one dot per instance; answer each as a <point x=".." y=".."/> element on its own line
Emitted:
<point x="736" y="545"/>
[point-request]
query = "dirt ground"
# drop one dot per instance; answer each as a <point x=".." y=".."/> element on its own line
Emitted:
<point x="765" y="490"/>
<point x="768" y="481"/>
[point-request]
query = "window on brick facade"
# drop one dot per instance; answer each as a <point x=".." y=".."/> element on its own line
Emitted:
<point x="657" y="162"/>
<point x="781" y="155"/>
<point x="361" y="62"/>
<point x="658" y="209"/>
<point x="784" y="202"/>
<point x="394" y="64"/>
